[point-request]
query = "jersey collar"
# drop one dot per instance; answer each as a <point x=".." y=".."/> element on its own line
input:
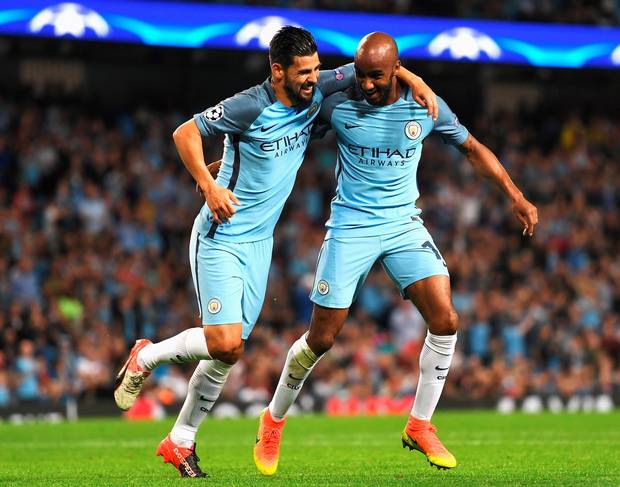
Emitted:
<point x="269" y="89"/>
<point x="405" y="94"/>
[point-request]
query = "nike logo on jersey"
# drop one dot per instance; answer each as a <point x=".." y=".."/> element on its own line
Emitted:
<point x="351" y="125"/>
<point x="295" y="378"/>
<point x="266" y="129"/>
<point x="202" y="398"/>
<point x="441" y="368"/>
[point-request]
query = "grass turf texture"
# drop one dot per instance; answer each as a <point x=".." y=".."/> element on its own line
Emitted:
<point x="567" y="449"/>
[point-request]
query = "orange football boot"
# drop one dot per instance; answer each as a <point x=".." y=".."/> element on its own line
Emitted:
<point x="420" y="435"/>
<point x="267" y="447"/>
<point x="184" y="459"/>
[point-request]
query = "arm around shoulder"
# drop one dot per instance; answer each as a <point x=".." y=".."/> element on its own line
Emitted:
<point x="422" y="93"/>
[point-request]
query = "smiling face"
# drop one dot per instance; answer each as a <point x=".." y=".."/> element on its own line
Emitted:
<point x="294" y="65"/>
<point x="376" y="79"/>
<point x="299" y="79"/>
<point x="376" y="66"/>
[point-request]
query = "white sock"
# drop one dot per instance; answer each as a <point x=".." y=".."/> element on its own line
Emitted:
<point x="204" y="389"/>
<point x="435" y="360"/>
<point x="300" y="361"/>
<point x="188" y="346"/>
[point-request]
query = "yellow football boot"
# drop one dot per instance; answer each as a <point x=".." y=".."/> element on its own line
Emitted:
<point x="267" y="447"/>
<point x="420" y="435"/>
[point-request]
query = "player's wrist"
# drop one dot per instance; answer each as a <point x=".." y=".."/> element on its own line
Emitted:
<point x="516" y="196"/>
<point x="406" y="76"/>
<point x="207" y="186"/>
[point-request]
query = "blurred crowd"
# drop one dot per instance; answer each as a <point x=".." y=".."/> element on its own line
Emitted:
<point x="95" y="217"/>
<point x="597" y="12"/>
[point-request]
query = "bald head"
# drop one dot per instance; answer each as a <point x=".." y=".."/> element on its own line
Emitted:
<point x="377" y="47"/>
<point x="376" y="65"/>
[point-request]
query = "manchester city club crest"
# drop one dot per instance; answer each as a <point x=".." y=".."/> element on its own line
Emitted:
<point x="322" y="287"/>
<point x="214" y="306"/>
<point x="312" y="110"/>
<point x="413" y="130"/>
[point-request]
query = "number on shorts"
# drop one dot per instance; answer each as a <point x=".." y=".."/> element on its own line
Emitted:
<point x="429" y="245"/>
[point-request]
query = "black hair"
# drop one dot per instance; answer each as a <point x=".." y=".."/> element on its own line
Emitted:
<point x="288" y="42"/>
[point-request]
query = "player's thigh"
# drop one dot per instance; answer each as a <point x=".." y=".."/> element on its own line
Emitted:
<point x="218" y="279"/>
<point x="412" y="256"/>
<point x="257" y="261"/>
<point x="342" y="267"/>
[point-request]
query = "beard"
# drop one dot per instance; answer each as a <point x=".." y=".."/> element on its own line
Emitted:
<point x="381" y="93"/>
<point x="379" y="96"/>
<point x="293" y="91"/>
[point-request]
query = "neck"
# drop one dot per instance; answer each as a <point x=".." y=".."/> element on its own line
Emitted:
<point x="394" y="92"/>
<point x="281" y="94"/>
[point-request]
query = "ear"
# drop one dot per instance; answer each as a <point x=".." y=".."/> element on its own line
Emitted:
<point x="397" y="66"/>
<point x="277" y="72"/>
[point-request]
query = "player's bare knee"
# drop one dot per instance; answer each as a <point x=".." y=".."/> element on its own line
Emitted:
<point x="445" y="323"/>
<point x="224" y="342"/>
<point x="324" y="327"/>
<point x="453" y="322"/>
<point x="232" y="356"/>
<point x="228" y="353"/>
<point x="320" y="343"/>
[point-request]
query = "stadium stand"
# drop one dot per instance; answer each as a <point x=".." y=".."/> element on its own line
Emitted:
<point x="95" y="215"/>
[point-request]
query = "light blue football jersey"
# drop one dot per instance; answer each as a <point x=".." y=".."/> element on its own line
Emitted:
<point x="264" y="145"/>
<point x="379" y="148"/>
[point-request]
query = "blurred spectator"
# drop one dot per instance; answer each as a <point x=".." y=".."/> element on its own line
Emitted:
<point x="94" y="254"/>
<point x="28" y="369"/>
<point x="24" y="286"/>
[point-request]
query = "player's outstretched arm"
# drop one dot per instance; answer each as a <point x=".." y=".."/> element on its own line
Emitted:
<point x="188" y="141"/>
<point x="422" y="93"/>
<point x="487" y="165"/>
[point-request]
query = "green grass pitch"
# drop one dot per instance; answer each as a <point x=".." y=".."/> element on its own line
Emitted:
<point x="565" y="449"/>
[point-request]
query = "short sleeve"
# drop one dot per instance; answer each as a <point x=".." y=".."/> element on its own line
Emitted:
<point x="334" y="80"/>
<point x="448" y="125"/>
<point x="233" y="115"/>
